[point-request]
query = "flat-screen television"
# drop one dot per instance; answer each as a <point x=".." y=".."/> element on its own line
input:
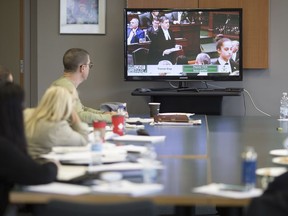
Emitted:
<point x="183" y="44"/>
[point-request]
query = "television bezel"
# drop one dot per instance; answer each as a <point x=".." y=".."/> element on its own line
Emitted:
<point x="208" y="77"/>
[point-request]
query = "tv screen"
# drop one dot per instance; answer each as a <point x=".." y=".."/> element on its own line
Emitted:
<point x="183" y="44"/>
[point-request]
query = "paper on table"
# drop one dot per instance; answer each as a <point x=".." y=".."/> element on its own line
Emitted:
<point x="66" y="149"/>
<point x="190" y="123"/>
<point x="134" y="126"/>
<point x="214" y="189"/>
<point x="122" y="166"/>
<point x="76" y="149"/>
<point x="176" y="113"/>
<point x="109" y="155"/>
<point x="135" y="138"/>
<point x="137" y="119"/>
<point x="67" y="173"/>
<point x="59" y="188"/>
<point x="127" y="187"/>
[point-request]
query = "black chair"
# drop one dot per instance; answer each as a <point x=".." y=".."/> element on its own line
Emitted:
<point x="133" y="208"/>
<point x="269" y="204"/>
<point x="140" y="56"/>
<point x="145" y="20"/>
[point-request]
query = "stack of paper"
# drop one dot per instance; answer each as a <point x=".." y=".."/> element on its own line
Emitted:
<point x="122" y="166"/>
<point x="137" y="138"/>
<point x="59" y="188"/>
<point x="127" y="187"/>
<point x="215" y="189"/>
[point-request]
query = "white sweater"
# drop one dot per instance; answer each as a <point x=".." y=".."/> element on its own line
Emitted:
<point x="49" y="134"/>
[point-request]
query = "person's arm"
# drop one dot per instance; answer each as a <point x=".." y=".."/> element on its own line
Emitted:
<point x="89" y="115"/>
<point x="79" y="126"/>
<point x="64" y="135"/>
<point x="17" y="167"/>
<point x="279" y="184"/>
<point x="142" y="34"/>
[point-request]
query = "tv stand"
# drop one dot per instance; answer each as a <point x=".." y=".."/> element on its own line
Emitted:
<point x="212" y="89"/>
<point x="199" y="101"/>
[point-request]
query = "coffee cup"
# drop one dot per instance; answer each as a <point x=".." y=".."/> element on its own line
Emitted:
<point x="154" y="109"/>
<point x="118" y="124"/>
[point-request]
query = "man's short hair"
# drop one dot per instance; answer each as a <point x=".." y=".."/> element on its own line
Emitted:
<point x="73" y="58"/>
<point x="163" y="18"/>
<point x="203" y="58"/>
<point x="135" y="20"/>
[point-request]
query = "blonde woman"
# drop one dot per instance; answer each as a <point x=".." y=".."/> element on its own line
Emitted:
<point x="54" y="123"/>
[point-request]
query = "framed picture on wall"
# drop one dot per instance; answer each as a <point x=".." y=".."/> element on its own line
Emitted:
<point x="82" y="16"/>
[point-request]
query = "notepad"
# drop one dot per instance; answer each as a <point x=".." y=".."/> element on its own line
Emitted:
<point x="137" y="138"/>
<point x="59" y="188"/>
<point x="127" y="187"/>
<point x="190" y="123"/>
<point x="215" y="189"/>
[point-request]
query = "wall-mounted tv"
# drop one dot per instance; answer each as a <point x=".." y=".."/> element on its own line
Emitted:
<point x="183" y="44"/>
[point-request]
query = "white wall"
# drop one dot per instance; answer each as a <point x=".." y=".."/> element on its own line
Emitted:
<point x="106" y="79"/>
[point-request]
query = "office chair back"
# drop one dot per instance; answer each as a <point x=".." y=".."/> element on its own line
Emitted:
<point x="133" y="208"/>
<point x="140" y="56"/>
<point x="269" y="204"/>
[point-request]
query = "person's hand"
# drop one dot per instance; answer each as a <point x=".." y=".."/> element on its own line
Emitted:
<point x="111" y="113"/>
<point x="166" y="52"/>
<point x="115" y="113"/>
<point x="57" y="163"/>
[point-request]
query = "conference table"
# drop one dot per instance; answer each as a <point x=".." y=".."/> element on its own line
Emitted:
<point x="194" y="156"/>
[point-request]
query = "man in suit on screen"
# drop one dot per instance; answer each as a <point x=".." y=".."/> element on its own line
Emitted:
<point x="146" y="19"/>
<point x="179" y="17"/>
<point x="162" y="46"/>
<point x="134" y="33"/>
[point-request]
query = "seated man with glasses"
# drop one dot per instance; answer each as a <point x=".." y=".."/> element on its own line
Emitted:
<point x="77" y="65"/>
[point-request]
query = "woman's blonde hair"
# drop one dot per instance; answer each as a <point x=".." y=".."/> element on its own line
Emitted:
<point x="55" y="105"/>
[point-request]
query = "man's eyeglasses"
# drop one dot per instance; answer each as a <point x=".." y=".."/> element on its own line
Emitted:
<point x="90" y="65"/>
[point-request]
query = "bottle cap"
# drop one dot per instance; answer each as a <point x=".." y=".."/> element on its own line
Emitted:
<point x="121" y="106"/>
<point x="99" y="124"/>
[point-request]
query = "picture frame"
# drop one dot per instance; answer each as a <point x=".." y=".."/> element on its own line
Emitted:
<point x="82" y="16"/>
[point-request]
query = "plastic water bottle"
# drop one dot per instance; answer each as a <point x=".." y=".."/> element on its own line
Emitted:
<point x="95" y="151"/>
<point x="284" y="106"/>
<point x="149" y="161"/>
<point x="121" y="110"/>
<point x="249" y="163"/>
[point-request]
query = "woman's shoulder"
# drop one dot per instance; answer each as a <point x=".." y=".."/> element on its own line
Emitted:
<point x="28" y="111"/>
<point x="52" y="124"/>
<point x="52" y="127"/>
